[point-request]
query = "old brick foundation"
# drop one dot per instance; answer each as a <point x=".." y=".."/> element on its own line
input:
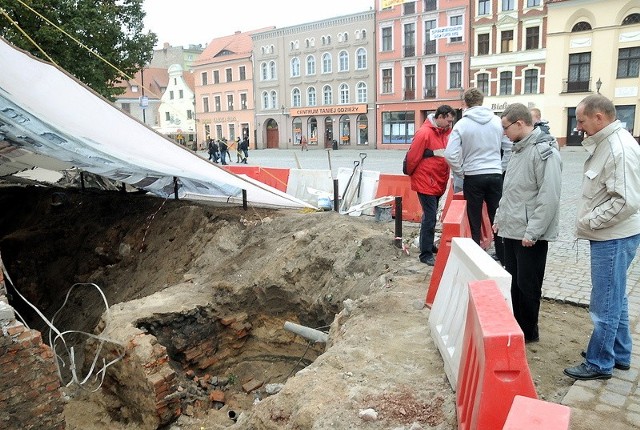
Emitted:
<point x="30" y="392"/>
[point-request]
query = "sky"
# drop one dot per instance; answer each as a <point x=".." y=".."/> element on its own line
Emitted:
<point x="192" y="22"/>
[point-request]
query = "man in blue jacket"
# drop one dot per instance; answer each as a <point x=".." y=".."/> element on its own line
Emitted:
<point x="429" y="173"/>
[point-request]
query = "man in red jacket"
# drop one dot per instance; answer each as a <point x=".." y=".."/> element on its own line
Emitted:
<point x="429" y="173"/>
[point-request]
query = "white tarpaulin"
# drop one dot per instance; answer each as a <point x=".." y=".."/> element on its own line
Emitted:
<point x="49" y="119"/>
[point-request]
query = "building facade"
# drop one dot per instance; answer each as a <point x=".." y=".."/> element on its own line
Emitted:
<point x="594" y="47"/>
<point x="176" y="113"/>
<point x="170" y="55"/>
<point x="422" y="62"/>
<point x="508" y="52"/>
<point x="224" y="89"/>
<point x="142" y="94"/>
<point x="316" y="82"/>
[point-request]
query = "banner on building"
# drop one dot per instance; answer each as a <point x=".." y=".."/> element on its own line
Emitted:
<point x="384" y="4"/>
<point x="446" y="32"/>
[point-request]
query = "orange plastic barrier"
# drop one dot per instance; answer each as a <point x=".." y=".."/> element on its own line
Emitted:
<point x="400" y="185"/>
<point x="532" y="414"/>
<point x="274" y="177"/>
<point x="493" y="368"/>
<point x="455" y="224"/>
<point x="486" y="232"/>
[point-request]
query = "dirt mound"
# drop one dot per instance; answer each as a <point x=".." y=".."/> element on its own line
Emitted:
<point x="317" y="269"/>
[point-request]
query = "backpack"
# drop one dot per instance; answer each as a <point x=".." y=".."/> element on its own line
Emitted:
<point x="404" y="164"/>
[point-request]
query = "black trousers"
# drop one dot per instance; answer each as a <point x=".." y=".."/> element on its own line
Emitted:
<point x="526" y="266"/>
<point x="479" y="189"/>
<point x="429" y="206"/>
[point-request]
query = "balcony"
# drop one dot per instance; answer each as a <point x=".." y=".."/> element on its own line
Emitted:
<point x="409" y="50"/>
<point x="409" y="94"/>
<point x="429" y="93"/>
<point x="576" y="86"/>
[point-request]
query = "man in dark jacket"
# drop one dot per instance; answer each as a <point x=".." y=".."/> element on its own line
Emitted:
<point x="224" y="151"/>
<point x="429" y="173"/>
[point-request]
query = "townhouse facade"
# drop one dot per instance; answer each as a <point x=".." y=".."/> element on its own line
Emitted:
<point x="316" y="81"/>
<point x="168" y="55"/>
<point x="142" y="94"/>
<point x="224" y="89"/>
<point x="422" y="62"/>
<point x="594" y="47"/>
<point x="176" y="116"/>
<point x="508" y="52"/>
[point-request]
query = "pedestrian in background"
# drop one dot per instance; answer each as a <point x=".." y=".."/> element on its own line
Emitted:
<point x="528" y="215"/>
<point x="244" y="147"/>
<point x="224" y="150"/>
<point x="538" y="122"/>
<point x="608" y="218"/>
<point x="474" y="153"/>
<point x="429" y="173"/>
<point x="303" y="143"/>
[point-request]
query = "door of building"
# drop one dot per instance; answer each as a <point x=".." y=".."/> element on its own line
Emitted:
<point x="273" y="134"/>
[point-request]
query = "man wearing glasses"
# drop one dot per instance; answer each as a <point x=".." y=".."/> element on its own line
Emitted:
<point x="529" y="212"/>
<point x="474" y="153"/>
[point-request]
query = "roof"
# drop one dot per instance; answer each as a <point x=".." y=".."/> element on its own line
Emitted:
<point x="236" y="46"/>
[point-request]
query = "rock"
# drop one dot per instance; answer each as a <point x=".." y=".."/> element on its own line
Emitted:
<point x="273" y="388"/>
<point x="368" y="415"/>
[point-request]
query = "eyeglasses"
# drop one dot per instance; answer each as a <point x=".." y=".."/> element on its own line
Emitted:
<point x="505" y="128"/>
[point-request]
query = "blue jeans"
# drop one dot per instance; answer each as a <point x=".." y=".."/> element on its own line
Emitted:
<point x="610" y="341"/>
<point x="429" y="206"/>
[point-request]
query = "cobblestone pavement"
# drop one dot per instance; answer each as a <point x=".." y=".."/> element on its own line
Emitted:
<point x="595" y="405"/>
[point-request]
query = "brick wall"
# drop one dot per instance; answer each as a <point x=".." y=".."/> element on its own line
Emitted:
<point x="30" y="394"/>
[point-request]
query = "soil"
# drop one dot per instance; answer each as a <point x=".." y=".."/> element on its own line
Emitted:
<point x="340" y="274"/>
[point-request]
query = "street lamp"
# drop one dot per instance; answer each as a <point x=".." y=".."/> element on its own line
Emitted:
<point x="284" y="111"/>
<point x="598" y="85"/>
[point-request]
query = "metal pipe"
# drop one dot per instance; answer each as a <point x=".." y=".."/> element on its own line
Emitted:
<point x="399" y="222"/>
<point x="306" y="332"/>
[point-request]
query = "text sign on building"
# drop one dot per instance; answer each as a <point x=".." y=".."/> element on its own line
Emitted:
<point x="445" y="32"/>
<point x="329" y="110"/>
<point x="390" y="3"/>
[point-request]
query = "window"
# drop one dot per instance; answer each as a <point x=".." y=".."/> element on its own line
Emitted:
<point x="205" y="104"/>
<point x="296" y="98"/>
<point x="311" y="96"/>
<point x="265" y="100"/>
<point x="363" y="130"/>
<point x="361" y="59"/>
<point x="409" y="8"/>
<point x="430" y="5"/>
<point x="455" y="75"/>
<point x="581" y="26"/>
<point x="628" y="62"/>
<point x="398" y="127"/>
<point x="345" y="127"/>
<point x="430" y="81"/>
<point x="216" y="102"/>
<point x="295" y="67"/>
<point x="579" y="72"/>
<point x="327" y="95"/>
<point x="326" y="63"/>
<point x="429" y="44"/>
<point x="344" y="94"/>
<point x="506" y="41"/>
<point x="533" y="3"/>
<point x="506" y="83"/>
<point x="272" y="70"/>
<point x="343" y="61"/>
<point x="409" y="83"/>
<point x="204" y="78"/>
<point x="216" y="77"/>
<point x="387" y="40"/>
<point x="126" y="107"/>
<point x="243" y="101"/>
<point x="410" y="40"/>
<point x="361" y="92"/>
<point x="626" y="115"/>
<point x="232" y="132"/>
<point x="170" y="95"/>
<point x="273" y="100"/>
<point x="483" y="44"/>
<point x="230" y="102"/>
<point x="531" y="81"/>
<point x="482" y="83"/>
<point x="167" y="116"/>
<point x="263" y="72"/>
<point x="229" y="74"/>
<point x="484" y="7"/>
<point x="180" y="94"/>
<point x="387" y="81"/>
<point x="219" y="131"/>
<point x="242" y="72"/>
<point x="455" y="20"/>
<point x="508" y="5"/>
<point x="189" y="114"/>
<point x="634" y="18"/>
<point x="311" y="65"/>
<point x="532" y="38"/>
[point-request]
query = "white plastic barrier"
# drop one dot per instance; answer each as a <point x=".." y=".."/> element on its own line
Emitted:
<point x="467" y="262"/>
<point x="368" y="186"/>
<point x="301" y="181"/>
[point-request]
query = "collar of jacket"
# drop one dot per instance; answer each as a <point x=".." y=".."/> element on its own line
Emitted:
<point x="591" y="142"/>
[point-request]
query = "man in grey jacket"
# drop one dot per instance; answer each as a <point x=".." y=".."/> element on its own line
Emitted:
<point x="529" y="212"/>
<point x="474" y="155"/>
<point x="608" y="217"/>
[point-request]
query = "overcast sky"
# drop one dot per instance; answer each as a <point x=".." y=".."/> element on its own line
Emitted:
<point x="188" y="22"/>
